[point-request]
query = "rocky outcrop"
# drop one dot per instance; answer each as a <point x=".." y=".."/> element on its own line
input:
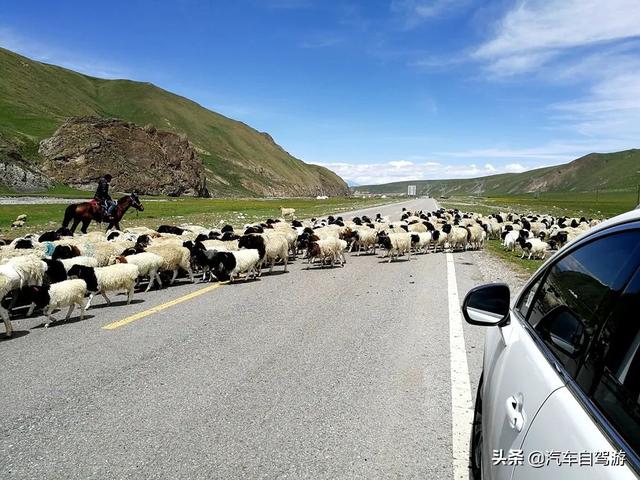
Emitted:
<point x="147" y="160"/>
<point x="19" y="175"/>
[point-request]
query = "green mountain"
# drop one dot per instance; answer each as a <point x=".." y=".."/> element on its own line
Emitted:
<point x="37" y="98"/>
<point x="602" y="171"/>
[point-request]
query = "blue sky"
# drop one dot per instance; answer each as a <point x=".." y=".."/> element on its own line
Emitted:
<point x="376" y="90"/>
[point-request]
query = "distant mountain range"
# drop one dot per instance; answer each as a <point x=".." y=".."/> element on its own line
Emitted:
<point x="603" y="171"/>
<point x="36" y="99"/>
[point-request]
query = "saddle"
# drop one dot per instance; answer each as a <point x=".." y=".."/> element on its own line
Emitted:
<point x="102" y="214"/>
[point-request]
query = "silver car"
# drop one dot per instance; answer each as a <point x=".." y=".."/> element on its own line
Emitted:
<point x="560" y="389"/>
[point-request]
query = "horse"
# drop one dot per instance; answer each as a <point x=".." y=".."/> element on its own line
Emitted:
<point x="92" y="210"/>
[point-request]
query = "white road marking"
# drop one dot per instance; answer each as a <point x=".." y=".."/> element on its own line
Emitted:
<point x="461" y="408"/>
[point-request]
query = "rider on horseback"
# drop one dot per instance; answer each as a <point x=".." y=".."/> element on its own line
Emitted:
<point x="103" y="197"/>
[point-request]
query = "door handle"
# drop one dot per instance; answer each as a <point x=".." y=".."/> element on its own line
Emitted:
<point x="514" y="412"/>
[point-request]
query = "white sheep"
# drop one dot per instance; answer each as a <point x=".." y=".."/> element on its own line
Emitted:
<point x="457" y="237"/>
<point x="102" y="280"/>
<point x="18" y="272"/>
<point x="81" y="260"/>
<point x="364" y="238"/>
<point x="287" y="212"/>
<point x="290" y="234"/>
<point x="510" y="239"/>
<point x="142" y="231"/>
<point x="103" y="251"/>
<point x="68" y="293"/>
<point x="9" y="281"/>
<point x="535" y="247"/>
<point x="439" y="240"/>
<point x="396" y="244"/>
<point x="234" y="263"/>
<point x="421" y="241"/>
<point x="330" y="248"/>
<point x="174" y="258"/>
<point x="149" y="264"/>
<point x="227" y="246"/>
<point x="477" y="236"/>
<point x="276" y="248"/>
<point x="418" y="227"/>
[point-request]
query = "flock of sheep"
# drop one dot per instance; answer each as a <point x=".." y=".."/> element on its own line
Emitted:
<point x="56" y="270"/>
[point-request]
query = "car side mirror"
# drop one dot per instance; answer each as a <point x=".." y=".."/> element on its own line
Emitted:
<point x="487" y="305"/>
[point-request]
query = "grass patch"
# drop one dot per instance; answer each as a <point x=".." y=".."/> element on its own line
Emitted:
<point x="58" y="191"/>
<point x="575" y="204"/>
<point x="200" y="211"/>
<point x="524" y="265"/>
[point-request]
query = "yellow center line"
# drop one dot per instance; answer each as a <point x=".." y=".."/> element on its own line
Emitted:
<point x="159" y="308"/>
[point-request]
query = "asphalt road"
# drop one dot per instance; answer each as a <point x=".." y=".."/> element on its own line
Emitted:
<point x="325" y="373"/>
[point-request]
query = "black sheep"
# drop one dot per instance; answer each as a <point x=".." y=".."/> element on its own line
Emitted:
<point x="55" y="271"/>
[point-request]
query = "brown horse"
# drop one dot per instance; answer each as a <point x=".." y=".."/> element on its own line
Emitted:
<point x="86" y="211"/>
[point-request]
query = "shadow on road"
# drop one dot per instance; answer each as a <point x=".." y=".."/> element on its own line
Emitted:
<point x="16" y="334"/>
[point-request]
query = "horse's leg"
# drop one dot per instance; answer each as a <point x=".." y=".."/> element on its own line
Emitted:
<point x="85" y="225"/>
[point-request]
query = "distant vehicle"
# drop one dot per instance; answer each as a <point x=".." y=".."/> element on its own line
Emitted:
<point x="561" y="369"/>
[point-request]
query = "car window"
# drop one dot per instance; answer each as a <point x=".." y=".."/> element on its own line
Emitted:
<point x="526" y="299"/>
<point x="575" y="296"/>
<point x="611" y="372"/>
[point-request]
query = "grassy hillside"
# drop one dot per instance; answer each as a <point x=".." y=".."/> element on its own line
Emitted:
<point x="36" y="98"/>
<point x="596" y="171"/>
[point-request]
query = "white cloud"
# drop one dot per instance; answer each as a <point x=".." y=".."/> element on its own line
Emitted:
<point x="514" y="168"/>
<point x="400" y="170"/>
<point x="554" y="152"/>
<point x="591" y="44"/>
<point x="551" y="25"/>
<point x="15" y="42"/>
<point x="401" y="164"/>
<point x="414" y="12"/>
<point x="321" y="40"/>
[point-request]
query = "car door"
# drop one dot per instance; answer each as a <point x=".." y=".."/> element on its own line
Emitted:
<point x="591" y="428"/>
<point x="523" y="374"/>
<point x="516" y="381"/>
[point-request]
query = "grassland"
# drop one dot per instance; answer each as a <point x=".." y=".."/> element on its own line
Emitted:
<point x="599" y="205"/>
<point x="603" y="172"/>
<point x="36" y="98"/>
<point x="524" y="265"/>
<point x="59" y="190"/>
<point x="207" y="212"/>
<point x="589" y="204"/>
